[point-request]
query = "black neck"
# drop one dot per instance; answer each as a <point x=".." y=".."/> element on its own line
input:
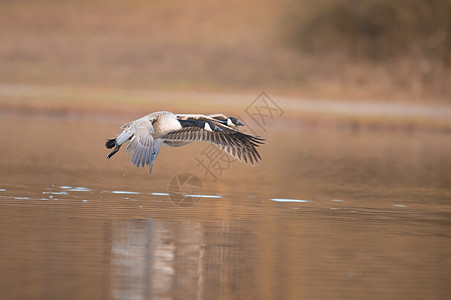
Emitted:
<point x="192" y="123"/>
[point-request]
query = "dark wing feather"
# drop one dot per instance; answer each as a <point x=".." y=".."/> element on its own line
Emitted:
<point x="240" y="145"/>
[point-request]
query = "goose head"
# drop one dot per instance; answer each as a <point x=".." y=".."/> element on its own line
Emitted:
<point x="232" y="121"/>
<point x="211" y="126"/>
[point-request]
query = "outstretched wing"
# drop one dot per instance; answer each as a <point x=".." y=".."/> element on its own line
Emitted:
<point x="211" y="118"/>
<point x="218" y="116"/>
<point x="142" y="144"/>
<point x="240" y="145"/>
<point x="157" y="146"/>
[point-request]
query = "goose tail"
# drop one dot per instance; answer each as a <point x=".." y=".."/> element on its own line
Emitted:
<point x="110" y="143"/>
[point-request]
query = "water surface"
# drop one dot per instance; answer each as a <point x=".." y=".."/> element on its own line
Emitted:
<point x="327" y="214"/>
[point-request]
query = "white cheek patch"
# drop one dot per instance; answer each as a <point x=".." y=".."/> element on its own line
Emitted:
<point x="207" y="127"/>
<point x="229" y="122"/>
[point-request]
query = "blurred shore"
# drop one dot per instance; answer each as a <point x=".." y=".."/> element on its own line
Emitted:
<point x="331" y="63"/>
<point x="116" y="105"/>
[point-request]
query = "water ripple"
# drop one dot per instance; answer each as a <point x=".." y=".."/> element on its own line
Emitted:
<point x="56" y="193"/>
<point x="125" y="192"/>
<point x="79" y="189"/>
<point x="288" y="200"/>
<point x="204" y="196"/>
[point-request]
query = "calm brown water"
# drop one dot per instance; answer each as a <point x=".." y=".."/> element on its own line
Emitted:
<point x="374" y="224"/>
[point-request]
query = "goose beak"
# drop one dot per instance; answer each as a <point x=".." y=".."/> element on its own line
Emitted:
<point x="217" y="129"/>
<point x="239" y="123"/>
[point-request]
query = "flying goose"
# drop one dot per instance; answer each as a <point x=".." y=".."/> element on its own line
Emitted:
<point x="149" y="133"/>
